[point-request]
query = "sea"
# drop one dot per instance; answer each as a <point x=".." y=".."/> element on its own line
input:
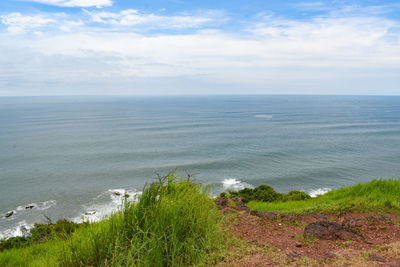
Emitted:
<point x="75" y="157"/>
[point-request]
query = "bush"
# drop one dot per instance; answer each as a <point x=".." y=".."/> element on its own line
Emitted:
<point x="223" y="195"/>
<point x="295" y="196"/>
<point x="41" y="233"/>
<point x="263" y="193"/>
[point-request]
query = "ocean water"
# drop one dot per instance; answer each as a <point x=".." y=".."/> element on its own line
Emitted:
<point x="68" y="156"/>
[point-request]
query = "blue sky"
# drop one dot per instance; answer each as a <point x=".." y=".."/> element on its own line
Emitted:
<point x="169" y="47"/>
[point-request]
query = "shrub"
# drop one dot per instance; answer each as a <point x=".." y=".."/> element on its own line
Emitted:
<point x="295" y="196"/>
<point x="223" y="195"/>
<point x="263" y="193"/>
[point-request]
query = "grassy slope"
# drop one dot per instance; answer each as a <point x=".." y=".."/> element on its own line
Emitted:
<point x="377" y="196"/>
<point x="172" y="224"/>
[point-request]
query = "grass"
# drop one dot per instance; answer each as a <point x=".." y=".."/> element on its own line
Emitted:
<point x="174" y="223"/>
<point x="375" y="196"/>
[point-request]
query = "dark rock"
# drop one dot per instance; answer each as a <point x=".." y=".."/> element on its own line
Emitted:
<point x="221" y="202"/>
<point x="328" y="256"/>
<point x="9" y="214"/>
<point x="239" y="206"/>
<point x="329" y="231"/>
<point x="117" y="193"/>
<point x="90" y="212"/>
<point x="299" y="245"/>
<point x="265" y="214"/>
<point x="30" y="207"/>
<point x="374" y="257"/>
<point x="237" y="199"/>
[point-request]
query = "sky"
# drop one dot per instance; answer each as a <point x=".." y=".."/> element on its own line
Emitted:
<point x="180" y="47"/>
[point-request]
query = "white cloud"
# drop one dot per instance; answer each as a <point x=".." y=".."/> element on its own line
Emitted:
<point x="76" y="3"/>
<point x="359" y="54"/>
<point x="132" y="17"/>
<point x="17" y="23"/>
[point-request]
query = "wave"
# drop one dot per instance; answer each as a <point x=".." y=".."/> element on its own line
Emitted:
<point x="113" y="200"/>
<point x="264" y="116"/>
<point x="319" y="191"/>
<point x="39" y="206"/>
<point x="232" y="183"/>
<point x="21" y="229"/>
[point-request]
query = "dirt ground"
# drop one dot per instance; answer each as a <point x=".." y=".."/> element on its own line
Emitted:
<point x="270" y="239"/>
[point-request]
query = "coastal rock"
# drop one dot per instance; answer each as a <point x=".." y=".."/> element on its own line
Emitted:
<point x="329" y="231"/>
<point x="265" y="214"/>
<point x="9" y="214"/>
<point x="90" y="212"/>
<point x="221" y="202"/>
<point x="29" y="207"/>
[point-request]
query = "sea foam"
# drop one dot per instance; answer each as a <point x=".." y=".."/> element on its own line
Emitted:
<point x="319" y="191"/>
<point x="234" y="184"/>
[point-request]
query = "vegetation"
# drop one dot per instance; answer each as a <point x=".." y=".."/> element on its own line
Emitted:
<point x="174" y="223"/>
<point x="265" y="193"/>
<point x="377" y="195"/>
<point x="40" y="233"/>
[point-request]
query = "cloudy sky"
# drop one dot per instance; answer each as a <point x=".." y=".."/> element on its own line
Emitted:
<point x="169" y="47"/>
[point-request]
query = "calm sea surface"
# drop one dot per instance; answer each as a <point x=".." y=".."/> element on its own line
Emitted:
<point x="70" y="157"/>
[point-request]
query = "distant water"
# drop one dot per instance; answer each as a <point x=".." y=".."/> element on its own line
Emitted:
<point x="68" y="156"/>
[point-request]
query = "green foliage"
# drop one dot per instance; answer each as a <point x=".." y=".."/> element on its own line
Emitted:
<point x="377" y="195"/>
<point x="295" y="196"/>
<point x="174" y="223"/>
<point x="265" y="193"/>
<point x="41" y="233"/>
<point x="223" y="195"/>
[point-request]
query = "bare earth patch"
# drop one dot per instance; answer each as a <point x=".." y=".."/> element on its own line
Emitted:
<point x="279" y="240"/>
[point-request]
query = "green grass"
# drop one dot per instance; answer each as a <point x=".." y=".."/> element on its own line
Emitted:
<point x="375" y="196"/>
<point x="174" y="223"/>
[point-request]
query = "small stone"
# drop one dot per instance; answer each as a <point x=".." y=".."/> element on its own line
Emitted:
<point x="29" y="207"/>
<point x="299" y="245"/>
<point x="351" y="223"/>
<point x="374" y="257"/>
